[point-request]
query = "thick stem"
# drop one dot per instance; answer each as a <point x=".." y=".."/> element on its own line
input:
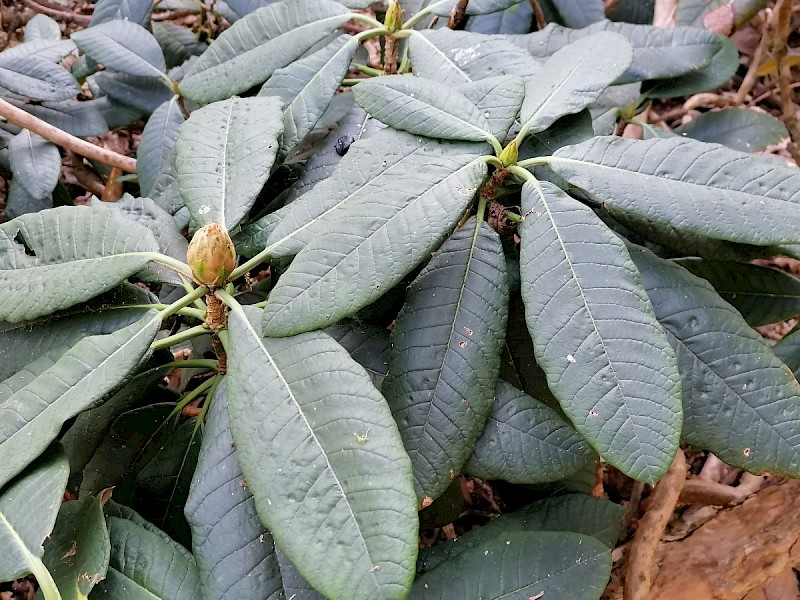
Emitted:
<point x="53" y="134"/>
<point x="390" y="55"/>
<point x="193" y="363"/>
<point x="538" y="161"/>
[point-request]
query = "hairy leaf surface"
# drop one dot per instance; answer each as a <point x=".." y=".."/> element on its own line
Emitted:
<point x="445" y="354"/>
<point x="704" y="189"/>
<point x="124" y="46"/>
<point x="422" y="107"/>
<point x="307" y="86"/>
<point x="53" y="259"/>
<point x="739" y="400"/>
<point x="35" y="163"/>
<point x="323" y="459"/>
<point x="224" y="154"/>
<point x="373" y="243"/>
<point x="607" y="359"/>
<point x="573" y="78"/>
<point x="255" y="46"/>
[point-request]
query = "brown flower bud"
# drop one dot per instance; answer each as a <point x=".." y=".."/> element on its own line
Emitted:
<point x="211" y="255"/>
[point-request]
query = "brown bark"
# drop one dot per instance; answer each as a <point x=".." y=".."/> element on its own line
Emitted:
<point x="738" y="551"/>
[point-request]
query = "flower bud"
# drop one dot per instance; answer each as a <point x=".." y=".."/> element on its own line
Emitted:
<point x="394" y="17"/>
<point x="211" y="255"/>
<point x="510" y="154"/>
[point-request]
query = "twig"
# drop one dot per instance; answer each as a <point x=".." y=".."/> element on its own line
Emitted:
<point x="88" y="180"/>
<point x="390" y="56"/>
<point x="541" y="22"/>
<point x="57" y="13"/>
<point x="639" y="573"/>
<point x="633" y="506"/>
<point x="752" y="71"/>
<point x="783" y="19"/>
<point x="457" y="14"/>
<point x="26" y="120"/>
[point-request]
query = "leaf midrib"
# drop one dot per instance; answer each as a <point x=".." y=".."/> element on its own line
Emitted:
<point x="285" y="384"/>
<point x="617" y="383"/>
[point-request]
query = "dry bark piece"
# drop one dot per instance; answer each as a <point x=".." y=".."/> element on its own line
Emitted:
<point x="641" y="553"/>
<point x="741" y="549"/>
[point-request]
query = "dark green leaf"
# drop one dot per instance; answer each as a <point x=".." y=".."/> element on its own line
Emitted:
<point x="788" y="350"/>
<point x="739" y="400"/>
<point x="578" y="513"/>
<point x="124" y="46"/>
<point x="144" y="94"/>
<point x="738" y="128"/>
<point x="146" y="565"/>
<point x="606" y="357"/>
<point x="367" y="344"/>
<point x="179" y="44"/>
<point x="254" y="47"/>
<point x="235" y="554"/>
<point x="21" y="202"/>
<point x="77" y="253"/>
<point x="445" y="354"/>
<point x="311" y="430"/>
<point x="525" y="441"/>
<point x="28" y="509"/>
<point x="35" y="402"/>
<point x="224" y="154"/>
<point x="763" y="295"/>
<point x="703" y="189"/>
<point x="520" y="565"/>
<point x="78" y="550"/>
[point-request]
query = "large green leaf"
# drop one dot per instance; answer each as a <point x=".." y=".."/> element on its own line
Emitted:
<point x="446" y="354"/>
<point x="352" y="262"/>
<point x="458" y="57"/>
<point x="28" y="509"/>
<point x="123" y="46"/>
<point x="22" y="343"/>
<point x="738" y="128"/>
<point x="367" y="344"/>
<point x="763" y="295"/>
<point x="578" y="513"/>
<point x="56" y="258"/>
<point x="525" y="441"/>
<point x="657" y="53"/>
<point x="255" y="46"/>
<point x="78" y="550"/>
<point x="235" y="554"/>
<point x="498" y="99"/>
<point x="36" y="77"/>
<point x="307" y="85"/>
<point x="146" y="565"/>
<point x="606" y="357"/>
<point x="704" y="189"/>
<point x="422" y="107"/>
<point x="520" y="565"/>
<point x="224" y="155"/>
<point x="323" y="459"/>
<point x="36" y="402"/>
<point x="739" y="400"/>
<point x="35" y="163"/>
<point x="573" y="78"/>
<point x="374" y="163"/>
<point x="158" y="140"/>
